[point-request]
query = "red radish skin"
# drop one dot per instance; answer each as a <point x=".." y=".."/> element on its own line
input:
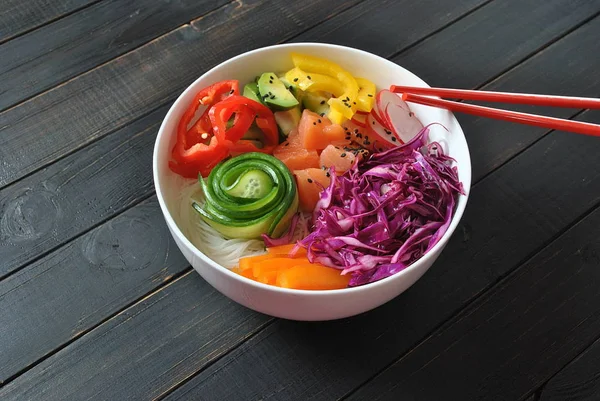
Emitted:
<point x="403" y="122"/>
<point x="384" y="138"/>
<point x="386" y="97"/>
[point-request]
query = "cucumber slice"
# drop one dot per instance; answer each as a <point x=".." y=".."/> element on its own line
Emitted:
<point x="254" y="184"/>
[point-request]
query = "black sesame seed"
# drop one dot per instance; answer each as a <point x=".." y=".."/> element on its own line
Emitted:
<point x="393" y="139"/>
<point x="343" y="155"/>
<point x="308" y="76"/>
<point x="272" y="96"/>
<point x="319" y="121"/>
<point x="271" y="77"/>
<point x="356" y="131"/>
<point x="231" y="92"/>
<point x="373" y="122"/>
<point x="353" y="102"/>
<point x="322" y="101"/>
<point x="322" y="114"/>
<point x="367" y="142"/>
<point x="270" y="82"/>
<point x="327" y="174"/>
<point x="388" y="132"/>
<point x="345" y="128"/>
<point x="287" y="144"/>
<point x="314" y="123"/>
<point x="370" y="95"/>
<point x="367" y="137"/>
<point x="410" y="114"/>
<point x="347" y="98"/>
<point x="309" y="180"/>
<point x="295" y="79"/>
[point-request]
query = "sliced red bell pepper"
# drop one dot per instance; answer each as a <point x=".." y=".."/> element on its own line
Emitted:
<point x="197" y="150"/>
<point x="245" y="110"/>
<point x="199" y="158"/>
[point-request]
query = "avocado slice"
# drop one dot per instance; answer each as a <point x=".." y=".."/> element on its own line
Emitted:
<point x="316" y="102"/>
<point x="251" y="92"/>
<point x="274" y="93"/>
<point x="288" y="120"/>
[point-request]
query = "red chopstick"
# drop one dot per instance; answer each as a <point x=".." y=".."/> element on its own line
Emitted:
<point x="513" y="116"/>
<point x="503" y="97"/>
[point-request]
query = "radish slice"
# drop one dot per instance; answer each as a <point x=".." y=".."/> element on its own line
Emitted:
<point x="377" y="113"/>
<point x="381" y="137"/>
<point x="403" y="122"/>
<point x="386" y="97"/>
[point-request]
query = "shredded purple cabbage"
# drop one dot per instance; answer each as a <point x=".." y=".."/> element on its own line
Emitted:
<point x="386" y="212"/>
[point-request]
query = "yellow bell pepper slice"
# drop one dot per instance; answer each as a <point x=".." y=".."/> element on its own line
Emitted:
<point x="366" y="94"/>
<point x="335" y="116"/>
<point x="313" y="82"/>
<point x="343" y="103"/>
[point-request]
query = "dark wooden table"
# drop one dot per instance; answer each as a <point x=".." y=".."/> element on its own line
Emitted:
<point x="96" y="302"/>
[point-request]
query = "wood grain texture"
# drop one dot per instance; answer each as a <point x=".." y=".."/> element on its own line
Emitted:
<point x="494" y="38"/>
<point x="516" y="336"/>
<point x="139" y="81"/>
<point x="531" y="192"/>
<point x="286" y="351"/>
<point x="17" y="17"/>
<point x="74" y="288"/>
<point x="139" y="353"/>
<point x="51" y="207"/>
<point x="579" y="380"/>
<point x="385" y="27"/>
<point x="61" y="50"/>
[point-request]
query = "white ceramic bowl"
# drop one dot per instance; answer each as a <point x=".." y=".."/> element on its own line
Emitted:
<point x="301" y="304"/>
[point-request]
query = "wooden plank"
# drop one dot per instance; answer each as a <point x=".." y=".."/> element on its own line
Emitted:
<point x="578" y="381"/>
<point x="76" y="193"/>
<point x="56" y="52"/>
<point x="511" y="30"/>
<point x="17" y="17"/>
<point x="76" y="287"/>
<point x="139" y="353"/>
<point x="532" y="192"/>
<point x="385" y="27"/>
<point x="516" y="336"/>
<point x="139" y="81"/>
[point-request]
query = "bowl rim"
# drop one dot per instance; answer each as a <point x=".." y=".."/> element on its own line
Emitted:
<point x="457" y="216"/>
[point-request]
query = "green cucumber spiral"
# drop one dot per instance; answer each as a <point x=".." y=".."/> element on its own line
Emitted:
<point x="249" y="195"/>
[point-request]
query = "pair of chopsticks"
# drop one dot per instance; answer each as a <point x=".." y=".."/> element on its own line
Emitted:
<point x="420" y="95"/>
